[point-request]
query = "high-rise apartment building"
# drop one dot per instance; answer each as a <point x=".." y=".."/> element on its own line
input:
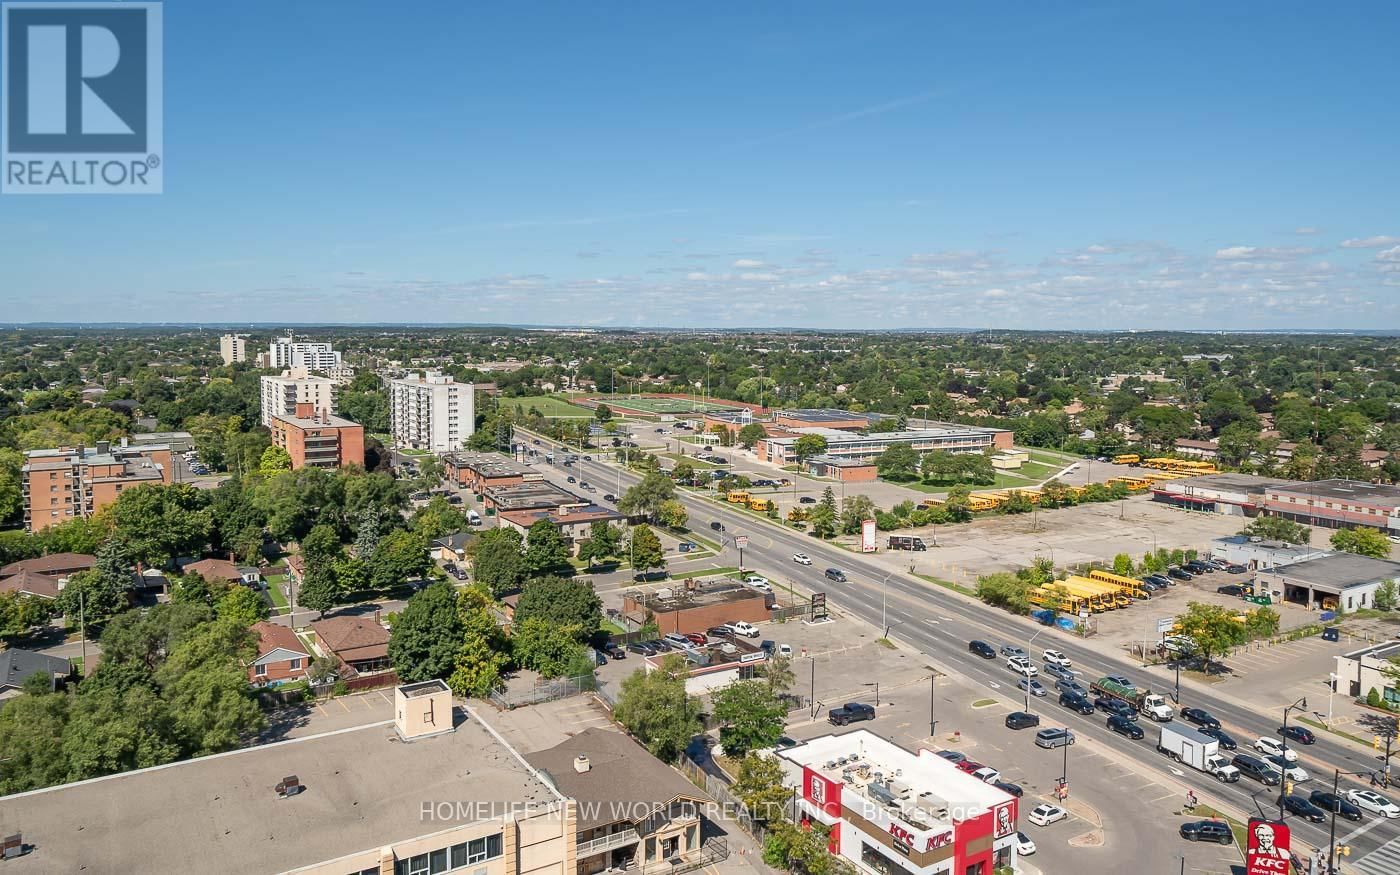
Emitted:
<point x="233" y="348"/>
<point x="286" y="352"/>
<point x="71" y="482"/>
<point x="431" y="411"/>
<point x="281" y="395"/>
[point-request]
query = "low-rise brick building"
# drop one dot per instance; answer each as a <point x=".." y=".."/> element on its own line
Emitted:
<point x="318" y="440"/>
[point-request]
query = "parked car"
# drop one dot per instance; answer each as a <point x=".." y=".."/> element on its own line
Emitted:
<point x="987" y="775"/>
<point x="1076" y="702"/>
<point x="1034" y="687"/>
<point x="1125" y="727"/>
<point x="1196" y="566"/>
<point x="1236" y="569"/>
<point x="614" y="651"/>
<point x="742" y="629"/>
<point x="953" y="756"/>
<point x="697" y="639"/>
<point x="1176" y="573"/>
<point x="1053" y="738"/>
<point x="1024" y="846"/>
<point x="1226" y="742"/>
<point x="1329" y="801"/>
<point x="968" y="766"/>
<point x="1260" y="770"/>
<point x="1230" y="589"/>
<point x="982" y="649"/>
<point x="851" y="712"/>
<point x="756" y="582"/>
<point x="1300" y="734"/>
<point x="1055" y="657"/>
<point x="836" y="574"/>
<point x="1296" y="804"/>
<point x="718" y="632"/>
<point x="641" y="648"/>
<point x="1200" y="717"/>
<point x="1160" y="579"/>
<point x="676" y="640"/>
<point x="1022" y="720"/>
<point x="1044" y="815"/>
<point x="1207" y="831"/>
<point x="1009" y="788"/>
<point x="802" y="559"/>
<point x="1273" y="747"/>
<point x="1370" y="800"/>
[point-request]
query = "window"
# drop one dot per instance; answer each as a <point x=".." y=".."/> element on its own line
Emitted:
<point x="295" y="664"/>
<point x="260" y="670"/>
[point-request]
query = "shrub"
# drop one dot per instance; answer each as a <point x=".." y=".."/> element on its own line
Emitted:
<point x="1373" y="698"/>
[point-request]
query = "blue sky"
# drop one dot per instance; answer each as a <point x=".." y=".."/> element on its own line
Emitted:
<point x="796" y="164"/>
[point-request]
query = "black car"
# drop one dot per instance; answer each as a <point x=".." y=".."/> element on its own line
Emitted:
<point x="982" y="649"/>
<point x="851" y="712"/>
<point x="1117" y="707"/>
<point x="641" y="648"/>
<point x="573" y="479"/>
<point x="1179" y="574"/>
<point x="718" y="632"/>
<point x="717" y="526"/>
<point x="1159" y="579"/>
<point x="806" y="499"/>
<point x="1295" y="804"/>
<point x="1258" y="769"/>
<point x="614" y="652"/>
<point x="1329" y="801"/>
<point x="1236" y="569"/>
<point x="1226" y="742"/>
<point x="1008" y="787"/>
<point x="1207" y="831"/>
<point x="1076" y="702"/>
<point x="1200" y="717"/>
<point x="1021" y="720"/>
<point x="1300" y="734"/>
<point x="1195" y="566"/>
<point x="608" y="496"/>
<point x="1125" y="727"/>
<point x="1230" y="589"/>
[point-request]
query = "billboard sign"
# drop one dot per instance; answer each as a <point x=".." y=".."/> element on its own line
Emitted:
<point x="741" y="541"/>
<point x="1268" y="849"/>
<point x="867" y="536"/>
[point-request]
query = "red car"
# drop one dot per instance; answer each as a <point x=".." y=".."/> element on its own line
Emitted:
<point x="697" y="639"/>
<point x="969" y="766"/>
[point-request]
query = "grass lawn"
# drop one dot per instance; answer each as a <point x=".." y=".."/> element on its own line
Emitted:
<point x="1051" y="457"/>
<point x="948" y="584"/>
<point x="274" y="590"/>
<point x="694" y="462"/>
<point x="409" y="451"/>
<point x="610" y="626"/>
<point x="548" y="405"/>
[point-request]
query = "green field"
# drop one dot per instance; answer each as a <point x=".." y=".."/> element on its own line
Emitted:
<point x="547" y="405"/>
<point x="665" y="405"/>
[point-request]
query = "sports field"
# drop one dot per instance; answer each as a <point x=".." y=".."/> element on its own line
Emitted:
<point x="665" y="405"/>
<point x="547" y="405"/>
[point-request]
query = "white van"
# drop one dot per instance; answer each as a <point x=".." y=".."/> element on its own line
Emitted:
<point x="473" y="518"/>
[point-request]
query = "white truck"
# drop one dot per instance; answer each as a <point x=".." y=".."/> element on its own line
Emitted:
<point x="1197" y="750"/>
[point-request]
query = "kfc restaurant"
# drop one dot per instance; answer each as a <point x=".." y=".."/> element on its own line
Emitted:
<point x="895" y="812"/>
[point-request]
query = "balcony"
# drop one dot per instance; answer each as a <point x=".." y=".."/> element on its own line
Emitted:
<point x="619" y="839"/>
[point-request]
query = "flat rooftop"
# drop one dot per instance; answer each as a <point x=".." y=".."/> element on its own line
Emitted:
<point x="838" y="462"/>
<point x="836" y="437"/>
<point x="488" y="464"/>
<point x="1340" y="570"/>
<point x="527" y="496"/>
<point x="827" y="414"/>
<point x="1380" y="652"/>
<point x="1346" y="490"/>
<point x="323" y="421"/>
<point x="1233" y="482"/>
<point x="364" y="790"/>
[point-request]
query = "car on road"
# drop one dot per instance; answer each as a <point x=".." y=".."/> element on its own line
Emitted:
<point x="1207" y="831"/>
<point x="1370" y="800"/>
<point x="1076" y="702"/>
<point x="851" y="712"/>
<point x="1291" y="770"/>
<point x="1044" y="815"/>
<point x="1053" y="738"/>
<point x="806" y="499"/>
<point x="1179" y="574"/>
<point x="1200" y="717"/>
<point x="1123" y="726"/>
<point x="1022" y="666"/>
<point x="836" y="574"/>
<point x="1074" y="687"/>
<point x="642" y="648"/>
<point x="1230" y="589"/>
<point x="1296" y="804"/>
<point x="982" y="649"/>
<point x="608" y="496"/>
<point x="588" y="458"/>
<point x="1022" y="720"/>
<point x="1055" y="657"/>
<point x="952" y="756"/>
<point x="1009" y="788"/>
<point x="1058" y="673"/>
<point x="1273" y="747"/>
<point x="1032" y="686"/>
<point x="1329" y="801"/>
<point x="1013" y="650"/>
<point x="1258" y="769"/>
<point x="1226" y="741"/>
<point x="740" y="628"/>
<point x="802" y="559"/>
<point x="573" y="479"/>
<point x="717" y="526"/>
<point x="1110" y="705"/>
<point x="1300" y="734"/>
<point x="1024" y="846"/>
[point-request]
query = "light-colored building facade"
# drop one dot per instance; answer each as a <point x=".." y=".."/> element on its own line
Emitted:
<point x="1332" y="581"/>
<point x="1361" y="671"/>
<point x="1337" y="504"/>
<point x="431" y="411"/>
<point x="949" y="437"/>
<point x="287" y="352"/>
<point x="233" y="348"/>
<point x="281" y="395"/>
<point x="71" y="482"/>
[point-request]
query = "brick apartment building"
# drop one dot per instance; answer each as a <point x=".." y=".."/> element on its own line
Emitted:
<point x="318" y="440"/>
<point x="71" y="482"/>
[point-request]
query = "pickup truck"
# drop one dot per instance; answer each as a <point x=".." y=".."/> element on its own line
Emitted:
<point x="1197" y="750"/>
<point x="851" y="712"/>
<point x="1145" y="702"/>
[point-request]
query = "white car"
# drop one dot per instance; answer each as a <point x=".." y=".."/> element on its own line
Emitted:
<point x="1024" y="846"/>
<point x="1273" y="747"/>
<point x="1055" y="657"/>
<point x="761" y="584"/>
<point x="746" y="630"/>
<point x="1370" y="800"/>
<point x="1044" y="815"/>
<point x="802" y="559"/>
<point x="1291" y="770"/>
<point x="1022" y="666"/>
<point x="987" y="775"/>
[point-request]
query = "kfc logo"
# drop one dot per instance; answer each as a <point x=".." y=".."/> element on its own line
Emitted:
<point x="932" y="843"/>
<point x="902" y="835"/>
<point x="816" y="791"/>
<point x="1268" y="849"/>
<point x="1004" y="824"/>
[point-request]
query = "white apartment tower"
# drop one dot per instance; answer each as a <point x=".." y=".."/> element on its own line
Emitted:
<point x="431" y="412"/>
<point x="233" y="348"/>
<point x="281" y="395"/>
<point x="286" y="352"/>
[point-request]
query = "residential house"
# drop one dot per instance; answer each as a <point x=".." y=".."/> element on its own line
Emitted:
<point x="282" y="658"/>
<point x="360" y="643"/>
<point x="57" y="565"/>
<point x="453" y="547"/>
<point x="17" y="666"/>
<point x="223" y="569"/>
<point x="32" y="583"/>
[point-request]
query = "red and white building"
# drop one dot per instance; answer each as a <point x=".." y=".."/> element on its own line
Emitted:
<point x="895" y="812"/>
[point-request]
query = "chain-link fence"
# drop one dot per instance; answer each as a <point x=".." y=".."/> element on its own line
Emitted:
<point x="546" y="691"/>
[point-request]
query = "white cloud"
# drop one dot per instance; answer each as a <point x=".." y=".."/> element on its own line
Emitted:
<point x="1249" y="253"/>
<point x="748" y="263"/>
<point x="1306" y="231"/>
<point x="1370" y="242"/>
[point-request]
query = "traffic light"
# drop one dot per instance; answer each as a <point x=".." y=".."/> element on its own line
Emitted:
<point x="1344" y="850"/>
<point x="1287" y="788"/>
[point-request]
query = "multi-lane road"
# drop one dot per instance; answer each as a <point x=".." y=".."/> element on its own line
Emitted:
<point x="941" y="623"/>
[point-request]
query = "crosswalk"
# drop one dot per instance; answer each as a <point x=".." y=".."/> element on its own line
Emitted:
<point x="1384" y="860"/>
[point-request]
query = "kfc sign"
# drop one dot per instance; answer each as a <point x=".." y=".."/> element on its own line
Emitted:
<point x="1268" y="850"/>
<point x="932" y="843"/>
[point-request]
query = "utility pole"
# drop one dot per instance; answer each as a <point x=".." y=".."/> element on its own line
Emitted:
<point x="813" y="695"/>
<point x="82" y="626"/>
<point x="932" y="700"/>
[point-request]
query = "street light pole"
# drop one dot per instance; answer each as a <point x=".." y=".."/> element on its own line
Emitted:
<point x="1301" y="705"/>
<point x="1332" y="831"/>
<point x="884" y="613"/>
<point x="932" y="699"/>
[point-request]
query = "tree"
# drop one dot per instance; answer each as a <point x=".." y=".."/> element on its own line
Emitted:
<point x="1362" y="541"/>
<point x="899" y="461"/>
<point x="1005" y="590"/>
<point x="751" y="434"/>
<point x="655" y="707"/>
<point x="157" y="523"/>
<point x="318" y="590"/>
<point x="1276" y="528"/>
<point x="204" y="683"/>
<point x="549" y="649"/>
<point x="602" y="543"/>
<point x="545" y="549"/>
<point x="561" y="602"/>
<point x="751" y="715"/>
<point x="399" y="557"/>
<point x="646" y="498"/>
<point x="481" y="657"/>
<point x="1385" y="597"/>
<point x="644" y="550"/>
<point x="102" y="592"/>
<point x="20" y="614"/>
<point x="1123" y="564"/>
<point x="351" y="577"/>
<point x="939" y="466"/>
<point x="31" y="740"/>
<point x="427" y="635"/>
<point x="274" y="459"/>
<point x="854" y="511"/>
<point x="808" y="445"/>
<point x="1212" y="628"/>
<point x="241" y="605"/>
<point x="683" y="472"/>
<point x="802" y="849"/>
<point x="760" y="785"/>
<point x="823" y="521"/>
<point x="672" y="514"/>
<point x="777" y="671"/>
<point x="602" y="413"/>
<point x="497" y="562"/>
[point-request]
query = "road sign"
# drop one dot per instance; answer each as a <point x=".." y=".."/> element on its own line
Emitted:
<point x="1165" y="624"/>
<point x="741" y="541"/>
<point x="867" y="536"/>
<point x="818" y="606"/>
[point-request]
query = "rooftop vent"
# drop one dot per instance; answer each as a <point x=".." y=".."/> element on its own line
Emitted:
<point x="13" y="846"/>
<point x="581" y="764"/>
<point x="289" y="786"/>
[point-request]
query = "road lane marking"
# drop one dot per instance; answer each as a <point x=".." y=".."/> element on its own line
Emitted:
<point x="1360" y="831"/>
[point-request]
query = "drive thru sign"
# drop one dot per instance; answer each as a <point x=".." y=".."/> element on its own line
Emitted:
<point x="1267" y="851"/>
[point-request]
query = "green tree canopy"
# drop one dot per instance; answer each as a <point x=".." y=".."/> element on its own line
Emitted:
<point x="655" y="707"/>
<point x="497" y="561"/>
<point x="1362" y="541"/>
<point x="545" y="549"/>
<point x="427" y="635"/>
<point x="644" y="550"/>
<point x="751" y="716"/>
<point x="561" y="602"/>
